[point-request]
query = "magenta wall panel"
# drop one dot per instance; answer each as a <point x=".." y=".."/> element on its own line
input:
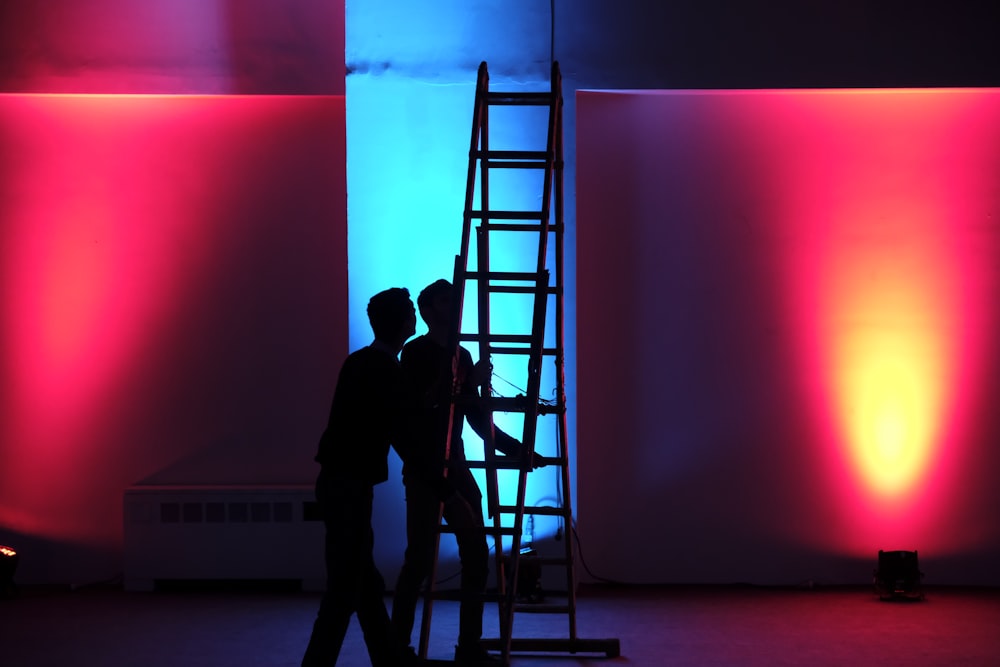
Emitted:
<point x="786" y="324"/>
<point x="174" y="298"/>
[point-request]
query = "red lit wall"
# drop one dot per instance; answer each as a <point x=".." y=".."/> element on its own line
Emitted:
<point x="173" y="299"/>
<point x="173" y="260"/>
<point x="786" y="325"/>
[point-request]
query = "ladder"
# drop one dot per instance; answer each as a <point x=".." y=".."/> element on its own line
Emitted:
<point x="537" y="291"/>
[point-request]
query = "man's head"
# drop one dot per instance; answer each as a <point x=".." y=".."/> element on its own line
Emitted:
<point x="435" y="304"/>
<point x="391" y="315"/>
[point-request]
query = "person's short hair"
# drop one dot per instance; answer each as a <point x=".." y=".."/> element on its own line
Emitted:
<point x="431" y="292"/>
<point x="388" y="311"/>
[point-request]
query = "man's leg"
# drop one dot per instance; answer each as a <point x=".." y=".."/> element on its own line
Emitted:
<point x="328" y="632"/>
<point x="422" y="508"/>
<point x="383" y="648"/>
<point x="466" y="520"/>
<point x="348" y="525"/>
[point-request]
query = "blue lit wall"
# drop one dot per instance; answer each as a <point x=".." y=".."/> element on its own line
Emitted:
<point x="410" y="85"/>
<point x="410" y="90"/>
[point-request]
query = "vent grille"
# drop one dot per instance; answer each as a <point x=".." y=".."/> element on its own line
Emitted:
<point x="234" y="512"/>
<point x="215" y="533"/>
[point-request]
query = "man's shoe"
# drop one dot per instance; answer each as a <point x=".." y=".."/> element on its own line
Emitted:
<point x="473" y="655"/>
<point x="410" y="658"/>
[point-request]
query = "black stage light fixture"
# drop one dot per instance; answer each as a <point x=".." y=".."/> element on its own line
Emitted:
<point x="529" y="577"/>
<point x="898" y="576"/>
<point x="528" y="587"/>
<point x="8" y="565"/>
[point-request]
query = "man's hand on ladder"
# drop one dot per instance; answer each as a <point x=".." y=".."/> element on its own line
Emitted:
<point x="537" y="461"/>
<point x="482" y="372"/>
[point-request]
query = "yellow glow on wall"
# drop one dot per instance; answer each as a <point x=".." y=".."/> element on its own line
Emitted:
<point x="890" y="358"/>
<point x="892" y="281"/>
<point x="891" y="409"/>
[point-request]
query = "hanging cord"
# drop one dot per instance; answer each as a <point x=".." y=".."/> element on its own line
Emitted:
<point x="505" y="381"/>
<point x="552" y="32"/>
<point x="523" y="392"/>
<point x="583" y="561"/>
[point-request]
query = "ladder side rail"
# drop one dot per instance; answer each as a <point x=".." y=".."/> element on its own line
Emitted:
<point x="562" y="440"/>
<point x="478" y="149"/>
<point x="486" y="389"/>
<point x="568" y="549"/>
<point x="530" y="431"/>
<point x="483" y="304"/>
<point x="458" y="300"/>
<point x="555" y="115"/>
<point x="479" y="107"/>
<point x="489" y="441"/>
<point x="542" y="281"/>
<point x="560" y="358"/>
<point x="425" y="617"/>
<point x="483" y="331"/>
<point x="533" y="388"/>
<point x="542" y="278"/>
<point x="534" y="361"/>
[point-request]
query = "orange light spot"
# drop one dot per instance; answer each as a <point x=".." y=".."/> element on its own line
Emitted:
<point x="891" y="416"/>
<point x="889" y="345"/>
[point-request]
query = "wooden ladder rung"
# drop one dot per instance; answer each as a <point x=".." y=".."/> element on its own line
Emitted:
<point x="533" y="159"/>
<point x="509" y="276"/>
<point x="505" y="215"/>
<point x="499" y="98"/>
<point x="541" y="608"/>
<point x="537" y="511"/>
<point x="535" y="227"/>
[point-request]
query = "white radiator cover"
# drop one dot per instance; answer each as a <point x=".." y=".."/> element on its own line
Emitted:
<point x="217" y="533"/>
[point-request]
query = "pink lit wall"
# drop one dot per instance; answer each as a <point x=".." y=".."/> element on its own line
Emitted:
<point x="173" y="298"/>
<point x="173" y="272"/>
<point x="787" y="330"/>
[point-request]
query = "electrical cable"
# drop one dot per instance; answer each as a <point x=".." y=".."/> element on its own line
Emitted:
<point x="583" y="561"/>
<point x="552" y="32"/>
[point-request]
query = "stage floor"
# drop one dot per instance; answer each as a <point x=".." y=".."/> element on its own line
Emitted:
<point x="678" y="626"/>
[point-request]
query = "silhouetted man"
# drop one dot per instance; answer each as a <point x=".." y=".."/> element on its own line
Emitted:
<point x="369" y="412"/>
<point x="427" y="362"/>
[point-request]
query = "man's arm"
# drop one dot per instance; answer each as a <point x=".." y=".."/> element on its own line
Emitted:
<point x="476" y="414"/>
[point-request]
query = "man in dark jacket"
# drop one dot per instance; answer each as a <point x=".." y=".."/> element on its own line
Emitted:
<point x="428" y="364"/>
<point x="370" y="412"/>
